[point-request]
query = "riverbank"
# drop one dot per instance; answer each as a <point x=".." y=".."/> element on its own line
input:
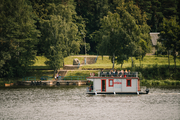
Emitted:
<point x="152" y="71"/>
<point x="167" y="82"/>
<point x="160" y="83"/>
<point x="72" y="73"/>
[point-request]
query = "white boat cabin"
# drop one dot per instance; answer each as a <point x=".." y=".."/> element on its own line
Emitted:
<point x="105" y="83"/>
<point x="114" y="85"/>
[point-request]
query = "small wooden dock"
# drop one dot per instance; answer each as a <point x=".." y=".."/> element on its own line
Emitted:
<point x="54" y="82"/>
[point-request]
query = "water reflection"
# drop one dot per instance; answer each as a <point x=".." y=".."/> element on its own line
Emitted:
<point x="71" y="102"/>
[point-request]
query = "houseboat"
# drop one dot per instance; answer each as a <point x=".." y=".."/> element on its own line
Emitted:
<point x="105" y="84"/>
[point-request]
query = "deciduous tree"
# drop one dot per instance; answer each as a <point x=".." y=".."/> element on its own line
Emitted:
<point x="61" y="33"/>
<point x="18" y="36"/>
<point x="170" y="36"/>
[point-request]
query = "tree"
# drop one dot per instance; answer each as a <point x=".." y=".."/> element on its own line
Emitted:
<point x="160" y="48"/>
<point x="61" y="33"/>
<point x="120" y="33"/>
<point x="117" y="38"/>
<point x="170" y="36"/>
<point x="144" y="45"/>
<point x="141" y="51"/>
<point x="92" y="11"/>
<point x="18" y="37"/>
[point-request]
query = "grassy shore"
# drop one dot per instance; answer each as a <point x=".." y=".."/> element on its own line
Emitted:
<point x="82" y="72"/>
<point x="153" y="70"/>
<point x="160" y="83"/>
<point x="106" y="63"/>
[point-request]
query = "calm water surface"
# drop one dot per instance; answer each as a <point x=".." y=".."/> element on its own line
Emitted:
<point x="72" y="103"/>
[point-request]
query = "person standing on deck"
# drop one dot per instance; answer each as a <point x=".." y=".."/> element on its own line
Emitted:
<point x="111" y="73"/>
<point x="129" y="73"/>
<point x="115" y="73"/>
<point x="121" y="74"/>
<point x="101" y="73"/>
<point x="125" y="73"/>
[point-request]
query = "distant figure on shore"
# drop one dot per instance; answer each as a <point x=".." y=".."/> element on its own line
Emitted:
<point x="57" y="75"/>
<point x="85" y="61"/>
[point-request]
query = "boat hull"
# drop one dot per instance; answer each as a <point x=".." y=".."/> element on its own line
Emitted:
<point x="94" y="93"/>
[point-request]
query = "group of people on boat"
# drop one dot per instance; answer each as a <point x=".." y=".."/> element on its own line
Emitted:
<point x="118" y="73"/>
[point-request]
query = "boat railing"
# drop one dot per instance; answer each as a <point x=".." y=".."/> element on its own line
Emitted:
<point x="108" y="74"/>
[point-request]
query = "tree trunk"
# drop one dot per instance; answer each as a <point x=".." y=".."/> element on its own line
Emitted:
<point x="132" y="61"/>
<point x="175" y="59"/>
<point x="121" y="66"/>
<point x="168" y="60"/>
<point x="113" y="61"/>
<point x="55" y="72"/>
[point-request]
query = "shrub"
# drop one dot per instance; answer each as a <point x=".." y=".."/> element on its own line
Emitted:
<point x="140" y="76"/>
<point x="168" y="82"/>
<point x="148" y="83"/>
<point x="177" y="82"/>
<point x="173" y="83"/>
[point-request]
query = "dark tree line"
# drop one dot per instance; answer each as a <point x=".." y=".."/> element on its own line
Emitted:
<point x="155" y="10"/>
<point x="57" y="28"/>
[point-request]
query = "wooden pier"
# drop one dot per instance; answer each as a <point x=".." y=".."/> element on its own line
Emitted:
<point x="54" y="82"/>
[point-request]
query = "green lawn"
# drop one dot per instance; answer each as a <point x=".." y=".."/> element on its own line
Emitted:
<point x="40" y="64"/>
<point x="147" y="61"/>
<point x="105" y="62"/>
<point x="40" y="61"/>
<point x="160" y="83"/>
<point x="81" y="72"/>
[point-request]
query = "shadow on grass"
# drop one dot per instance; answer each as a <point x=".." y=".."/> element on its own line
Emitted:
<point x="40" y="68"/>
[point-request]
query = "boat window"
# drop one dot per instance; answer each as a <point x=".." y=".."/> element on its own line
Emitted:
<point x="128" y="82"/>
<point x="111" y="83"/>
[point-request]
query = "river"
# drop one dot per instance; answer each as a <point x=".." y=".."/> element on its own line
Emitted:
<point x="72" y="103"/>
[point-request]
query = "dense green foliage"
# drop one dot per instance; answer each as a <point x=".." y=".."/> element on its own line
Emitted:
<point x="170" y="36"/>
<point x="18" y="37"/>
<point x="155" y="10"/>
<point x="59" y="28"/>
<point x="124" y="33"/>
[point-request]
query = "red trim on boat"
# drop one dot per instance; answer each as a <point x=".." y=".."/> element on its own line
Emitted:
<point x="112" y="82"/>
<point x="127" y="82"/>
